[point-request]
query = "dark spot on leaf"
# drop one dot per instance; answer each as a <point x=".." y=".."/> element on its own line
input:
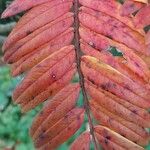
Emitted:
<point x="91" y="80"/>
<point x="106" y="141"/>
<point x="41" y="136"/>
<point x="127" y="87"/>
<point x="108" y="137"/>
<point x="69" y="128"/>
<point x="137" y="64"/>
<point x="33" y="96"/>
<point x="109" y="36"/>
<point x="10" y="62"/>
<point x="41" y="113"/>
<point x="43" y="130"/>
<point x="105" y="86"/>
<point x="131" y="5"/>
<point x="51" y="92"/>
<point x="147" y="28"/>
<point x="134" y="111"/>
<point x="92" y="44"/>
<point x="28" y="32"/>
<point x="123" y="135"/>
<point x="78" y="117"/>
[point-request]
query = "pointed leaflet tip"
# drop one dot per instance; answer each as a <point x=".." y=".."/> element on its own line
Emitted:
<point x="18" y="6"/>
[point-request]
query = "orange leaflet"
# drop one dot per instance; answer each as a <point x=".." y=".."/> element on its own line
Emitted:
<point x="116" y="108"/>
<point x="130" y="130"/>
<point x="82" y="142"/>
<point x="106" y="84"/>
<point x="50" y="91"/>
<point x="55" y="102"/>
<point x="111" y="8"/>
<point x="33" y="58"/>
<point x="107" y="144"/>
<point x="103" y="117"/>
<point x="18" y="6"/>
<point x="124" y="63"/>
<point x="103" y="43"/>
<point x="129" y="7"/>
<point x="142" y="18"/>
<point x="96" y="21"/>
<point x="115" y="76"/>
<point x="67" y="103"/>
<point x="139" y="111"/>
<point x="37" y="22"/>
<point x="46" y="72"/>
<point x="71" y="121"/>
<point x="38" y="38"/>
<point x="36" y="11"/>
<point x="110" y="135"/>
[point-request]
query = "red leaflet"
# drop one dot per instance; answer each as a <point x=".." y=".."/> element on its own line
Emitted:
<point x="106" y="84"/>
<point x="82" y="142"/>
<point x="62" y="107"/>
<point x="111" y="8"/>
<point x="97" y="20"/>
<point x="33" y="58"/>
<point x="37" y="39"/>
<point x="112" y="139"/>
<point x="129" y="7"/>
<point x="124" y="64"/>
<point x="130" y="130"/>
<point x="67" y="125"/>
<point x="114" y="75"/>
<point x="29" y="27"/>
<point x="142" y="18"/>
<point x="18" y="6"/>
<point x="103" y="43"/>
<point x="45" y="73"/>
<point x="50" y="91"/>
<point x="35" y="12"/>
<point x="116" y="108"/>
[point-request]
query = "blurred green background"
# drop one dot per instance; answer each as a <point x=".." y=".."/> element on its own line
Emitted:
<point x="14" y="125"/>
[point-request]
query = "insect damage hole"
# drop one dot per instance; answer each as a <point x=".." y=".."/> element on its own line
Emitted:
<point x="115" y="52"/>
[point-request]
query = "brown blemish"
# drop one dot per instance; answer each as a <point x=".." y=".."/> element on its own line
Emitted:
<point x="41" y="136"/>
<point x="134" y="111"/>
<point x="123" y="135"/>
<point x="28" y="32"/>
<point x="105" y="86"/>
<point x="137" y="64"/>
<point x="91" y="80"/>
<point x="127" y="87"/>
<point x="51" y="92"/>
<point x="108" y="137"/>
<point x="109" y="36"/>
<point x="41" y="113"/>
<point x="78" y="117"/>
<point x="92" y="44"/>
<point x="106" y="141"/>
